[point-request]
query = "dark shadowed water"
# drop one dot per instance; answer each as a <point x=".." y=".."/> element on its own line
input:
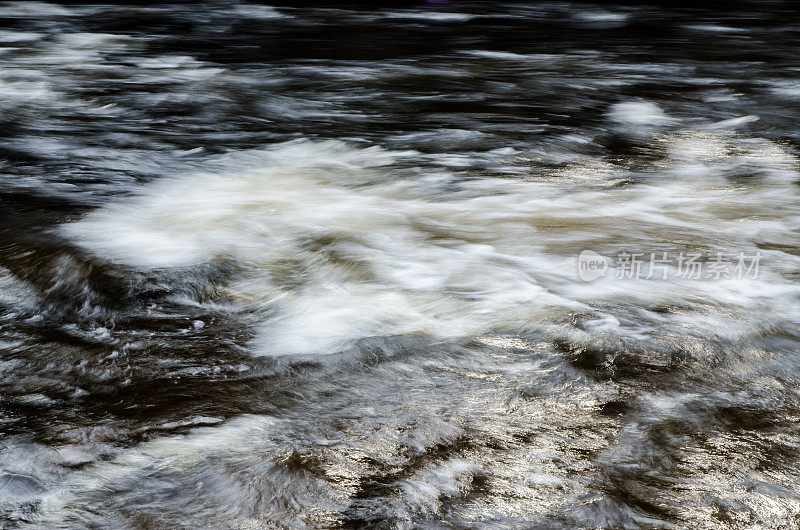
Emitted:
<point x="280" y="267"/>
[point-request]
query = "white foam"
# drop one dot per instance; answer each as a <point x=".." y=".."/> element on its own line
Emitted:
<point x="424" y="491"/>
<point x="19" y="36"/>
<point x="715" y="28"/>
<point x="789" y="89"/>
<point x="15" y="292"/>
<point x="435" y="16"/>
<point x="603" y="18"/>
<point x="258" y="12"/>
<point x="337" y="248"/>
<point x="33" y="9"/>
<point x="639" y="113"/>
<point x="733" y="123"/>
<point x="510" y="56"/>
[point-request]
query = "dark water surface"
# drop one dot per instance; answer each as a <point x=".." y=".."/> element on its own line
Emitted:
<point x="268" y="266"/>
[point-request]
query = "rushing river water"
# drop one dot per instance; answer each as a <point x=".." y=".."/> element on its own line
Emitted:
<point x="269" y="266"/>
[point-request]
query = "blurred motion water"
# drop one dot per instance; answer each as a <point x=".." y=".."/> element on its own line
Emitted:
<point x="275" y="266"/>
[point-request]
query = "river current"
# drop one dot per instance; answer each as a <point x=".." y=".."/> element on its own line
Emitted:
<point x="444" y="265"/>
